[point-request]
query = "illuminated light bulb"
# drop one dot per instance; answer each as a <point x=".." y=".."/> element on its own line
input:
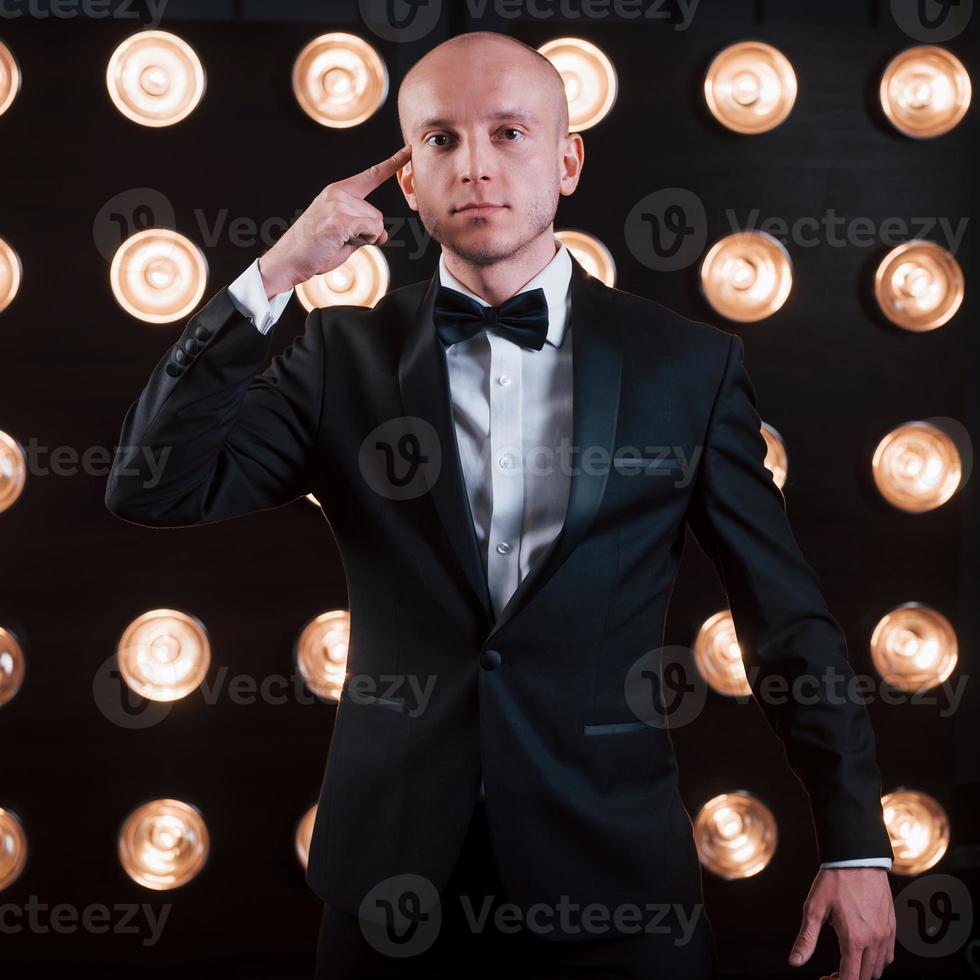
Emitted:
<point x="914" y="647"/>
<point x="10" y="78"/>
<point x="917" y="467"/>
<point x="591" y="254"/>
<point x="925" y="91"/>
<point x="750" y="87"/>
<point x="321" y="653"/>
<point x="360" y="281"/>
<point x="776" y="461"/>
<point x="339" y="80"/>
<point x="13" y="471"/>
<point x="163" y="844"/>
<point x="304" y="834"/>
<point x="919" y="285"/>
<point x="155" y="78"/>
<point x="11" y="665"/>
<point x="735" y="834"/>
<point x="164" y="654"/>
<point x="591" y="84"/>
<point x="747" y="276"/>
<point x="158" y="275"/>
<point x="718" y="658"/>
<point x="918" y="829"/>
<point x="10" y="274"/>
<point x="13" y="848"/>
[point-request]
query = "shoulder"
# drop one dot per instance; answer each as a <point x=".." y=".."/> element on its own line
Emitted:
<point x="647" y="328"/>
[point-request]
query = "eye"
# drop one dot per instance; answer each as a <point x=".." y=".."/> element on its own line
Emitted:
<point x="512" y="129"/>
<point x="437" y="136"/>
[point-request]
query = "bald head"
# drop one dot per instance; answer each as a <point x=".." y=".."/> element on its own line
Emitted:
<point x="478" y="54"/>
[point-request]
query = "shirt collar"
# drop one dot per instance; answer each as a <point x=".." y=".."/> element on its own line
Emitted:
<point x="554" y="279"/>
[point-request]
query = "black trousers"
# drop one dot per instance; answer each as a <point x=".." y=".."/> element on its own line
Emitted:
<point x="453" y="948"/>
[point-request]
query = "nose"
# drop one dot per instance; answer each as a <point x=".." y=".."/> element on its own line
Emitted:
<point x="474" y="160"/>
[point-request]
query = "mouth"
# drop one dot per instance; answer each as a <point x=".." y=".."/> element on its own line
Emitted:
<point x="479" y="210"/>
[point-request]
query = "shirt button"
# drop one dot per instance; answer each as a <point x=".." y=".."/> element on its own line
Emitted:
<point x="490" y="659"/>
<point x="504" y="379"/>
<point x="504" y="548"/>
<point x="506" y="461"/>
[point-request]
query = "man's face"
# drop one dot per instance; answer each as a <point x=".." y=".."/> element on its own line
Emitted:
<point x="482" y="134"/>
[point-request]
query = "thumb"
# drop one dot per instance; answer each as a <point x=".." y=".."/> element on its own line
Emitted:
<point x="806" y="939"/>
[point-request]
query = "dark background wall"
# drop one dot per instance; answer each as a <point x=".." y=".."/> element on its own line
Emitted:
<point x="831" y="376"/>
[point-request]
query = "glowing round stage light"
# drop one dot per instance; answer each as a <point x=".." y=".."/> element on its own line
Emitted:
<point x="164" y="654"/>
<point x="918" y="828"/>
<point x="776" y="461"/>
<point x="917" y="467"/>
<point x="591" y="254"/>
<point x="13" y="471"/>
<point x="304" y="834"/>
<point x="750" y="87"/>
<point x="360" y="281"/>
<point x="919" y="285"/>
<point x="155" y="78"/>
<point x="914" y="647"/>
<point x="163" y="844"/>
<point x="10" y="274"/>
<point x="718" y="658"/>
<point x="11" y="665"/>
<point x="925" y="91"/>
<point x="158" y="275"/>
<point x="321" y="653"/>
<point x="13" y="848"/>
<point x="747" y="276"/>
<point x="735" y="835"/>
<point x="9" y="78"/>
<point x="590" y="80"/>
<point x="339" y="80"/>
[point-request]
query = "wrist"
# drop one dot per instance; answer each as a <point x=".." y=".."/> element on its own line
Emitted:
<point x="275" y="278"/>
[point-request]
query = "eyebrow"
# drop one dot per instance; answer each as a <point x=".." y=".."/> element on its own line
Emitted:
<point x="438" y="122"/>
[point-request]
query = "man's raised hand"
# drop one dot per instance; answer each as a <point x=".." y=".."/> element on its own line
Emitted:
<point x="338" y="221"/>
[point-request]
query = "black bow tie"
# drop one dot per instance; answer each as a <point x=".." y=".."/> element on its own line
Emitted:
<point x="522" y="319"/>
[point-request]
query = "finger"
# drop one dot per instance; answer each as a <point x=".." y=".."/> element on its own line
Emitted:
<point x="868" y="960"/>
<point x="806" y="938"/>
<point x="850" y="962"/>
<point x="363" y="231"/>
<point x="881" y="960"/>
<point x="360" y="185"/>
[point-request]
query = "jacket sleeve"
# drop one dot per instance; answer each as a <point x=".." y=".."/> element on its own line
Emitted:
<point x="738" y="516"/>
<point x="209" y="438"/>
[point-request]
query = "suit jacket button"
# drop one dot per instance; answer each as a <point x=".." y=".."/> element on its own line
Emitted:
<point x="202" y="333"/>
<point x="173" y="369"/>
<point x="490" y="659"/>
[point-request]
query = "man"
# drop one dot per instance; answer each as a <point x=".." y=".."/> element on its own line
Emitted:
<point x="510" y="599"/>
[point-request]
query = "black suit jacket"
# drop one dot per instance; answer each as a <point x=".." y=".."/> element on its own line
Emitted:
<point x="582" y="797"/>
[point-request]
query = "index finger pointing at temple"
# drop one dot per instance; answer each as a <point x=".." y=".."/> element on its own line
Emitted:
<point x="368" y="180"/>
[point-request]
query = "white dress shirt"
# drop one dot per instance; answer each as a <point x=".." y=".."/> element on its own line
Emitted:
<point x="512" y="408"/>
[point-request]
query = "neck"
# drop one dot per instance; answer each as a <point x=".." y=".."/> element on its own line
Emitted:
<point x="500" y="280"/>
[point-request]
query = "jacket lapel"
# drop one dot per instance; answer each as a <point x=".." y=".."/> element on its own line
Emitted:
<point x="423" y="378"/>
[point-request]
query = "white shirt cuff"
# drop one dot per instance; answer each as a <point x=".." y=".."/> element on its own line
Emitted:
<point x="248" y="295"/>
<point x="860" y="863"/>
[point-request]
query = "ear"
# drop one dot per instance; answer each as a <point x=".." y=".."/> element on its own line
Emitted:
<point x="572" y="161"/>
<point x="406" y="181"/>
